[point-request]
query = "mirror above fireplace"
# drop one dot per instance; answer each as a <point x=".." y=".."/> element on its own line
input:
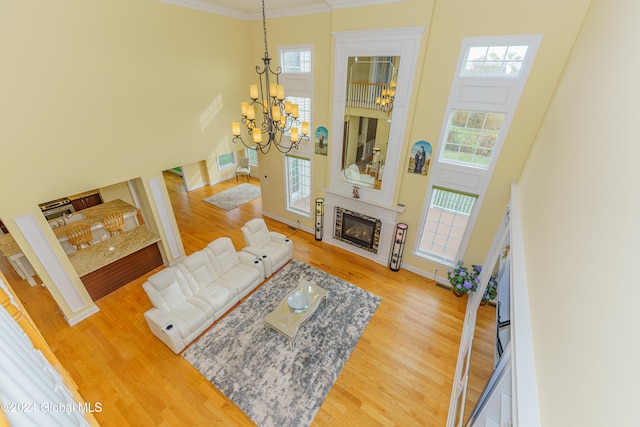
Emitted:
<point x="376" y="54"/>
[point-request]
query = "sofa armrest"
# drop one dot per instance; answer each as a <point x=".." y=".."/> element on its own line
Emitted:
<point x="250" y="259"/>
<point x="278" y="236"/>
<point x="255" y="251"/>
<point x="162" y="326"/>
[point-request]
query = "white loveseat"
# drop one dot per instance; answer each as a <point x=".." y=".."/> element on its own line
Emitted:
<point x="188" y="297"/>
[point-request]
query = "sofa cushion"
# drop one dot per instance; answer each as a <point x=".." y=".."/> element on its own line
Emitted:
<point x="198" y="271"/>
<point x="189" y="317"/>
<point x="233" y="273"/>
<point x="222" y="255"/>
<point x="256" y="233"/>
<point x="167" y="289"/>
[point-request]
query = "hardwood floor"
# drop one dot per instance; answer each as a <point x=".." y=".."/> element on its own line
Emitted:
<point x="399" y="374"/>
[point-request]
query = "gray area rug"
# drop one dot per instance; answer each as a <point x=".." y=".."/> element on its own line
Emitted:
<point x="255" y="368"/>
<point x="234" y="197"/>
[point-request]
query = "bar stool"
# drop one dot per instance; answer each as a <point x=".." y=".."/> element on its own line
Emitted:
<point x="79" y="234"/>
<point x="114" y="223"/>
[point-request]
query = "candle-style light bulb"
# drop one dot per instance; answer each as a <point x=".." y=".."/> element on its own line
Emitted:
<point x="253" y="91"/>
<point x="257" y="135"/>
<point x="235" y="128"/>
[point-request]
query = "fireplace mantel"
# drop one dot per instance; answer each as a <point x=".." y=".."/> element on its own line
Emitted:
<point x="388" y="216"/>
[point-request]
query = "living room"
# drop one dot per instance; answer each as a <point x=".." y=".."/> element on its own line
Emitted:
<point x="113" y="105"/>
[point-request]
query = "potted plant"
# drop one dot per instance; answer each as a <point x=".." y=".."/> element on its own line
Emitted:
<point x="492" y="290"/>
<point x="462" y="280"/>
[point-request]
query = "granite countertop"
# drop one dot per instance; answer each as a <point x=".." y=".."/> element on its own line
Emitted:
<point x="96" y="256"/>
<point x="95" y="214"/>
<point x="102" y="253"/>
<point x="8" y="246"/>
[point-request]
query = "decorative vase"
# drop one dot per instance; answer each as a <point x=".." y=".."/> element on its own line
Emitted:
<point x="457" y="293"/>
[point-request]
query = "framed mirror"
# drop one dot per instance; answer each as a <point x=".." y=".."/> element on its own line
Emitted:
<point x="374" y="72"/>
<point x="370" y="93"/>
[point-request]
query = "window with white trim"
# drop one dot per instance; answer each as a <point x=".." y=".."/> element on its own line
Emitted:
<point x="298" y="182"/>
<point x="226" y="160"/>
<point x="295" y="60"/>
<point x="489" y="79"/>
<point x="471" y="137"/>
<point x="252" y="155"/>
<point x="446" y="222"/>
<point x="494" y="61"/>
<point x="297" y="78"/>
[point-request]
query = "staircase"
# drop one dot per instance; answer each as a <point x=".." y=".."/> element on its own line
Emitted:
<point x="496" y="407"/>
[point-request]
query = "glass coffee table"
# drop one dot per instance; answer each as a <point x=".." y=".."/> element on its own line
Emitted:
<point x="295" y="309"/>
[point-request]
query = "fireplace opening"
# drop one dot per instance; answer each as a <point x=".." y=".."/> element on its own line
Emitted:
<point x="358" y="229"/>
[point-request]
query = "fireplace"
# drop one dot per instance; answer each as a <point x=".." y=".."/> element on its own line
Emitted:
<point x="358" y="229"/>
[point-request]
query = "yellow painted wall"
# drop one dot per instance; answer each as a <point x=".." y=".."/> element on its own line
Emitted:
<point x="97" y="92"/>
<point x="94" y="93"/>
<point x="580" y="210"/>
<point x="117" y="191"/>
<point x="447" y="24"/>
<point x="312" y="30"/>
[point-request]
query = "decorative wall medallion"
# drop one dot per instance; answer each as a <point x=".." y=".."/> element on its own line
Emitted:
<point x="420" y="158"/>
<point x="322" y="140"/>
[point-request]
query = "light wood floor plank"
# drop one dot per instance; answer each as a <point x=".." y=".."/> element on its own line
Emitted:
<point x="399" y="374"/>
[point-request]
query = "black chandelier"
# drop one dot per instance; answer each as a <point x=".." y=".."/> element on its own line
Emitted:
<point x="279" y="117"/>
<point x="385" y="100"/>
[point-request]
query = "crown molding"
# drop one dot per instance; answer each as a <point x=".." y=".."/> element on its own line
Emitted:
<point x="343" y="4"/>
<point x="322" y="7"/>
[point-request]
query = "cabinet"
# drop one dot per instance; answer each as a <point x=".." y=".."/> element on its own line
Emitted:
<point x="85" y="201"/>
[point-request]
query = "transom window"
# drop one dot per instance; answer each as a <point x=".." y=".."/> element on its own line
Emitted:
<point x="494" y="61"/>
<point x="295" y="60"/>
<point x="471" y="137"/>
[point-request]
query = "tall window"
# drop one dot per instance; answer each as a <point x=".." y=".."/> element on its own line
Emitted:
<point x="298" y="183"/>
<point x="297" y="78"/>
<point x="490" y="76"/>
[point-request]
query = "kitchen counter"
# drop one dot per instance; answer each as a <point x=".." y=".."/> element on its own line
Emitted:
<point x="8" y="246"/>
<point x="94" y="215"/>
<point x="110" y="261"/>
<point x="105" y="252"/>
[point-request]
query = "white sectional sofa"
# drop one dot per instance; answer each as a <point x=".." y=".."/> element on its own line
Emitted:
<point x="188" y="297"/>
